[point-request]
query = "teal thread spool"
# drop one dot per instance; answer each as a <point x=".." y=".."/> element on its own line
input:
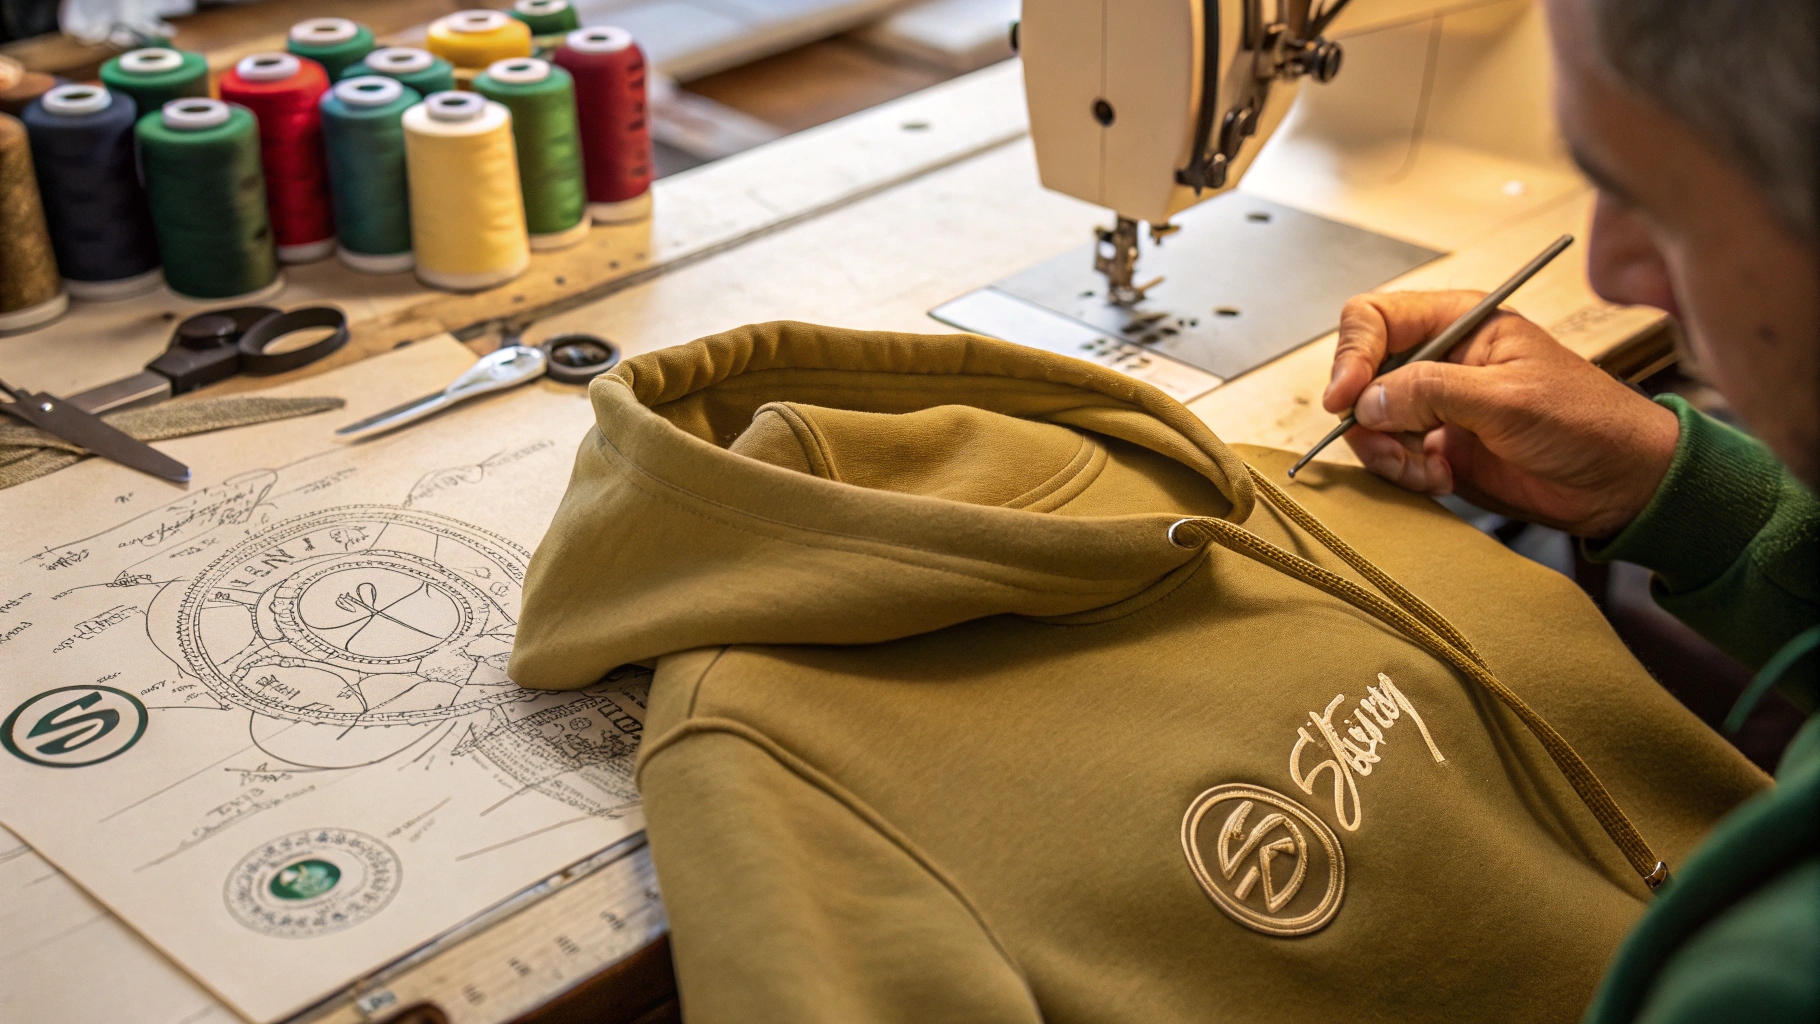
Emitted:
<point x="417" y="69"/>
<point x="363" y="129"/>
<point x="541" y="98"/>
<point x="546" y="17"/>
<point x="206" y="190"/>
<point x="335" y="43"/>
<point x="157" y="75"/>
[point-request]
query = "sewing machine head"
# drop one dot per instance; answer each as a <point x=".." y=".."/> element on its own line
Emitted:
<point x="1151" y="106"/>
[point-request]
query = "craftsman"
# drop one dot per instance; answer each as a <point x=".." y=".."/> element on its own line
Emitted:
<point x="1699" y="122"/>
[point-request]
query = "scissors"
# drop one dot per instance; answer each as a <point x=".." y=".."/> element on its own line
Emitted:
<point x="59" y="417"/>
<point x="216" y="345"/>
<point x="205" y="348"/>
<point x="568" y="358"/>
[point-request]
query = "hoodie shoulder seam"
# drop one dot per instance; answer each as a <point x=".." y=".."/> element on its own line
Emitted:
<point x="695" y="687"/>
<point x="856" y="807"/>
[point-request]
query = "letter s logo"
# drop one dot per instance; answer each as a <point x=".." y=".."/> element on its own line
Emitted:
<point x="79" y="735"/>
<point x="74" y="726"/>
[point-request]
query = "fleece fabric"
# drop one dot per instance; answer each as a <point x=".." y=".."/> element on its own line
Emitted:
<point x="991" y="686"/>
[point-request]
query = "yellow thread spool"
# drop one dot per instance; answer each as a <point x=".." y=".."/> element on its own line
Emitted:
<point x="475" y="39"/>
<point x="467" y="216"/>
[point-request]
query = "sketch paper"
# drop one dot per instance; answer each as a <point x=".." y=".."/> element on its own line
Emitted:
<point x="265" y="720"/>
<point x="63" y="958"/>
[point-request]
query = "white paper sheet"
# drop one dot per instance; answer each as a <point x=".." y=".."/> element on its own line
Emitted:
<point x="65" y="959"/>
<point x="266" y="721"/>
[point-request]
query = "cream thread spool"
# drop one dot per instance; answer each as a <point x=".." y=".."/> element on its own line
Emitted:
<point x="467" y="215"/>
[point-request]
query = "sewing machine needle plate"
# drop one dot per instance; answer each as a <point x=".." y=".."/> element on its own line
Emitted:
<point x="1244" y="281"/>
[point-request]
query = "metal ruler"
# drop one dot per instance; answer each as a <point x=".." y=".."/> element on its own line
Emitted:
<point x="520" y="955"/>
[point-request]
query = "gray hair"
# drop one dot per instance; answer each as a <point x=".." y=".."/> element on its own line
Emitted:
<point x="1743" y="73"/>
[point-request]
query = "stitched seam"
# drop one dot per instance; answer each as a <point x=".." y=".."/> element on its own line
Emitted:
<point x="1149" y="597"/>
<point x="799" y="767"/>
<point x="1080" y="462"/>
<point x="1094" y="586"/>
<point x="695" y="692"/>
<point x="815" y="449"/>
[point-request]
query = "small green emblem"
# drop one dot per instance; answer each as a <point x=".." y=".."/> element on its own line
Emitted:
<point x="304" y="880"/>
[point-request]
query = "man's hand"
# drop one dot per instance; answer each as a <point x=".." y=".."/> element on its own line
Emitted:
<point x="1512" y="421"/>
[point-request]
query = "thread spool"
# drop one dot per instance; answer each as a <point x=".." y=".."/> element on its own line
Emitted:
<point x="546" y="17"/>
<point x="542" y="101"/>
<point x="334" y="43"/>
<point x="419" y="70"/>
<point x="156" y="75"/>
<point x="30" y="291"/>
<point x="475" y="39"/>
<point x="467" y="218"/>
<point x="363" y="131"/>
<point x="82" y="148"/>
<point x="205" y="186"/>
<point x="283" y="92"/>
<point x="609" y="71"/>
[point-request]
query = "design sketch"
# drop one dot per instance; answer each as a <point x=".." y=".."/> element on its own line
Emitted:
<point x="247" y="716"/>
<point x="369" y="626"/>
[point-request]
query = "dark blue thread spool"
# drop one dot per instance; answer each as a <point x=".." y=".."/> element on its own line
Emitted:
<point x="101" y="229"/>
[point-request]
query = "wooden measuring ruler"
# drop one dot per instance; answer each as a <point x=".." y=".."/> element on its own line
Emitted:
<point x="572" y="933"/>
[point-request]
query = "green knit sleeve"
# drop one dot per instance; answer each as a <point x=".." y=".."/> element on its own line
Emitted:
<point x="1732" y="537"/>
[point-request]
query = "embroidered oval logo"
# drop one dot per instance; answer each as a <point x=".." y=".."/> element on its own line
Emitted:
<point x="1264" y="859"/>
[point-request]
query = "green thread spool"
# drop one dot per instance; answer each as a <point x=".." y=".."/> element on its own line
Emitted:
<point x="417" y="69"/>
<point x="206" y="189"/>
<point x="546" y="17"/>
<point x="363" y="130"/>
<point x="335" y="43"/>
<point x="157" y="75"/>
<point x="541" y="98"/>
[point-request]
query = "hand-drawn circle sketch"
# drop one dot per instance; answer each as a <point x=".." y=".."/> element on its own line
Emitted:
<point x="361" y="615"/>
<point x="311" y="883"/>
<point x="1269" y="863"/>
<point x="74" y="726"/>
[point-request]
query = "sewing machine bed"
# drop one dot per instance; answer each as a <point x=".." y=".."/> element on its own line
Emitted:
<point x="1244" y="281"/>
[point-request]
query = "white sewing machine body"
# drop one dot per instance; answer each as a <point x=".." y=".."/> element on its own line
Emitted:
<point x="1117" y="96"/>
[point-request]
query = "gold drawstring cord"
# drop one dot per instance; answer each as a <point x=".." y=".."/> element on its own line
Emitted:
<point x="1414" y="618"/>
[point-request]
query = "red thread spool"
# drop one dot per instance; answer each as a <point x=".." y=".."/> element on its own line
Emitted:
<point x="609" y="71"/>
<point x="282" y="91"/>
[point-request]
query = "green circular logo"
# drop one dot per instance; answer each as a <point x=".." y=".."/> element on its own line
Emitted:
<point x="73" y="726"/>
<point x="305" y="880"/>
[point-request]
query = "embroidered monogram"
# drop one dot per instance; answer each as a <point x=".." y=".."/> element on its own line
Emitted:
<point x="1267" y="850"/>
<point x="1356" y="750"/>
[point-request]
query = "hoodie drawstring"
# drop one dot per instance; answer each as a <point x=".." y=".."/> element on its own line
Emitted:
<point x="1412" y="617"/>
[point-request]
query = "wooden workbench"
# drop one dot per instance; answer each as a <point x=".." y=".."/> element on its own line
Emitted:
<point x="871" y="221"/>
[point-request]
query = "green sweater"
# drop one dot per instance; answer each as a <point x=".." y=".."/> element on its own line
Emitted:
<point x="1734" y="541"/>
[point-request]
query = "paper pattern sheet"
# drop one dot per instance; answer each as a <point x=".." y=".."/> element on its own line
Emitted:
<point x="63" y="958"/>
<point x="266" y="720"/>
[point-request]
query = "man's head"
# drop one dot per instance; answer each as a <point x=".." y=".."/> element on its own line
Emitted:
<point x="1699" y="120"/>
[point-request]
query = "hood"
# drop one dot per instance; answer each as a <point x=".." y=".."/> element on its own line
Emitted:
<point x="786" y="483"/>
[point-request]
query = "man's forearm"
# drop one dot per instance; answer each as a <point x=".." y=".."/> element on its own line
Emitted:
<point x="1733" y="538"/>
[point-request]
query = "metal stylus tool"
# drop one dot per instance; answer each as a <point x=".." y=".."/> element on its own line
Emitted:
<point x="1441" y="344"/>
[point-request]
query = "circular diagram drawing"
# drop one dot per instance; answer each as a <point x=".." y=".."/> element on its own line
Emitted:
<point x="372" y="616"/>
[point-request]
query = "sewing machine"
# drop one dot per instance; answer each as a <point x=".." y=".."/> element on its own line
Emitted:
<point x="1154" y="107"/>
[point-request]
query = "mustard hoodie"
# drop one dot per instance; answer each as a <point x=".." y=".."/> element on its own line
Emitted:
<point x="991" y="686"/>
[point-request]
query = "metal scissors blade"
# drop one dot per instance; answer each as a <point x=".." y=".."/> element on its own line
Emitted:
<point x="55" y="416"/>
<point x="506" y="368"/>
